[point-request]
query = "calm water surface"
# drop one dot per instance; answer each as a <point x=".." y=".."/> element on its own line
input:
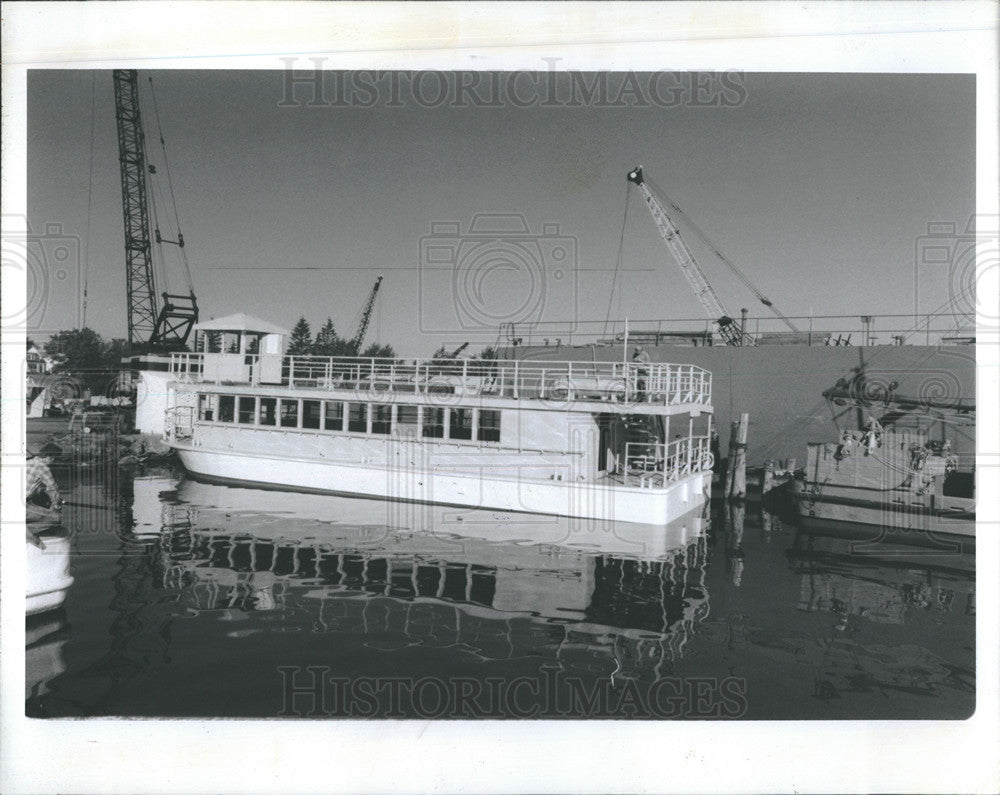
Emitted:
<point x="195" y="600"/>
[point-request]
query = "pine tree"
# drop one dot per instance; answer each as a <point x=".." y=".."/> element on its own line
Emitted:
<point x="300" y="342"/>
<point x="327" y="341"/>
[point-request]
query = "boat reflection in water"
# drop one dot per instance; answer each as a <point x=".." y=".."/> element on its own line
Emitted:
<point x="621" y="598"/>
<point x="207" y="600"/>
<point x="888" y="580"/>
<point x="45" y="636"/>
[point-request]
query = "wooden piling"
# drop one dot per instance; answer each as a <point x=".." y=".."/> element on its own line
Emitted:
<point x="767" y="481"/>
<point x="736" y="482"/>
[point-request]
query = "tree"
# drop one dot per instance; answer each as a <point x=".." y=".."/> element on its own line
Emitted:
<point x="76" y="350"/>
<point x="85" y="355"/>
<point x="114" y="351"/>
<point x="327" y="341"/>
<point x="301" y="341"/>
<point x="377" y="351"/>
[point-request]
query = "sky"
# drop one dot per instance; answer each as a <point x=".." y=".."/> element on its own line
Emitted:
<point x="817" y="186"/>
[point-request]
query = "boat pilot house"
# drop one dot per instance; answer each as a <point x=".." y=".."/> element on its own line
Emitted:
<point x="606" y="441"/>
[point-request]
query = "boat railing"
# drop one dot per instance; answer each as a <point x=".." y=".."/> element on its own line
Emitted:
<point x="649" y="464"/>
<point x="178" y="423"/>
<point x="934" y="328"/>
<point x="657" y="384"/>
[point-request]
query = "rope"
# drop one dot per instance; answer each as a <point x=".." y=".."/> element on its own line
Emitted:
<point x="618" y="262"/>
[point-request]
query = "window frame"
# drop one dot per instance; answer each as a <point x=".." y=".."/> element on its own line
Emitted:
<point x="481" y="429"/>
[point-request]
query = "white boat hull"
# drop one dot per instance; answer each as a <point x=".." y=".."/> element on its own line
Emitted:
<point x="842" y="504"/>
<point x="48" y="575"/>
<point x="605" y="501"/>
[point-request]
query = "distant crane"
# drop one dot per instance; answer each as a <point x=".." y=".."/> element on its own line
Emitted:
<point x="149" y="328"/>
<point x="731" y="332"/>
<point x="354" y="347"/>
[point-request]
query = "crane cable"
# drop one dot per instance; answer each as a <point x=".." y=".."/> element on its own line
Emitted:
<point x="704" y="239"/>
<point x="170" y="185"/>
<point x="152" y="187"/>
<point x="618" y="262"/>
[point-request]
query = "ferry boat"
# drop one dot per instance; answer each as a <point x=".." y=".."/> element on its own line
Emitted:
<point x="609" y="441"/>
<point x="899" y="473"/>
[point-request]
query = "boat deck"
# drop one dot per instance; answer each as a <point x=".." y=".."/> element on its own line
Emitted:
<point x="645" y="388"/>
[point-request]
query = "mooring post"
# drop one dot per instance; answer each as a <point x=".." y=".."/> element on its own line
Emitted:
<point x="767" y="482"/>
<point x="737" y="480"/>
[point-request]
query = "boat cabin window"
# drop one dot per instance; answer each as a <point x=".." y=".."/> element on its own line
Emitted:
<point x="268" y="411"/>
<point x="311" y="414"/>
<point x="402" y="420"/>
<point x="248" y="408"/>
<point x="205" y="412"/>
<point x="461" y="424"/>
<point x="289" y="413"/>
<point x="381" y="418"/>
<point x="357" y="417"/>
<point x="227" y="408"/>
<point x="333" y="419"/>
<point x="434" y="422"/>
<point x="407" y="420"/>
<point x="489" y="425"/>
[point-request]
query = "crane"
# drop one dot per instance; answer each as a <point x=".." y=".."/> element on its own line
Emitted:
<point x="366" y="316"/>
<point x="731" y="333"/>
<point x="149" y="327"/>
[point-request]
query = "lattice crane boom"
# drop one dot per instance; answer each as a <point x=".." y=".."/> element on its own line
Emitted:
<point x="148" y="328"/>
<point x="689" y="266"/>
<point x="141" y="294"/>
<point x="366" y="316"/>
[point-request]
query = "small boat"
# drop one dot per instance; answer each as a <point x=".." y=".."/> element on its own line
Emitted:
<point x="899" y="472"/>
<point x="48" y="576"/>
<point x="48" y="545"/>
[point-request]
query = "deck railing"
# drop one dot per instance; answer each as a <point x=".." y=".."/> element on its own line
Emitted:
<point x="649" y="464"/>
<point x="179" y="423"/>
<point x="558" y="381"/>
<point x="937" y="328"/>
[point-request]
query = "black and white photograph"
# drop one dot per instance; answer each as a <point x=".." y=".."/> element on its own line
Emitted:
<point x="562" y="403"/>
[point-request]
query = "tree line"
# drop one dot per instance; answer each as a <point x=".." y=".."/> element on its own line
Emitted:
<point x="328" y="342"/>
<point x="86" y="355"/>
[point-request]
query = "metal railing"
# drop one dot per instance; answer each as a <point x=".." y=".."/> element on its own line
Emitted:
<point x="939" y="328"/>
<point x="178" y="424"/>
<point x="649" y="464"/>
<point x="558" y="381"/>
